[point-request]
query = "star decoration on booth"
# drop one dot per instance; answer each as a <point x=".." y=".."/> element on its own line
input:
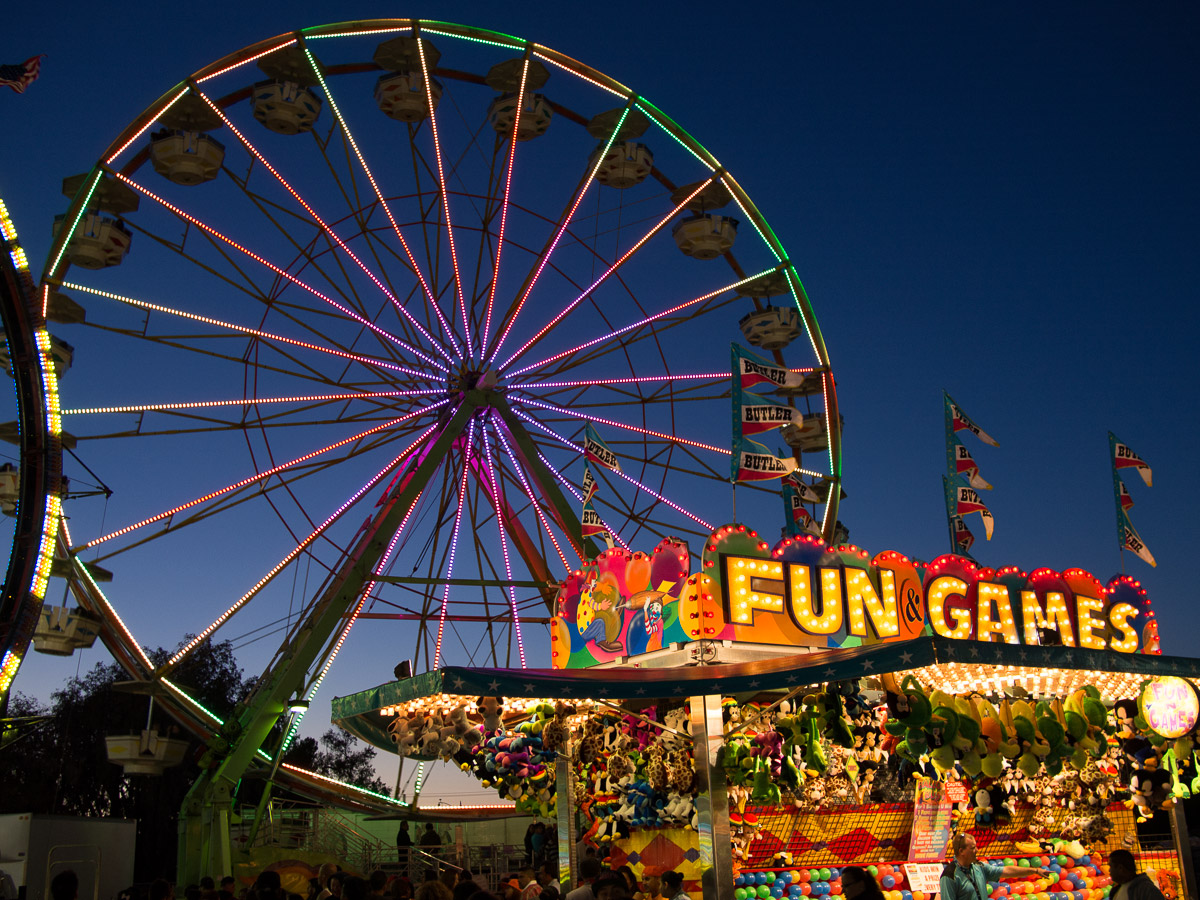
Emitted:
<point x="529" y="688"/>
<point x="494" y="685"/>
<point x="458" y="681"/>
<point x="867" y="666"/>
<point x="829" y="673"/>
<point x="906" y="657"/>
<point x="974" y="653"/>
<point x="1022" y="655"/>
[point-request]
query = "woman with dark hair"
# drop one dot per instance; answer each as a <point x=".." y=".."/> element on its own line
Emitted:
<point x="631" y="882"/>
<point x="857" y="884"/>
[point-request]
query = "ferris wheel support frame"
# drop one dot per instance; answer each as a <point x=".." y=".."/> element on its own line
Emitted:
<point x="205" y="815"/>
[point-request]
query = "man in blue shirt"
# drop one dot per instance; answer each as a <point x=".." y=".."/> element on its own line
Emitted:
<point x="965" y="878"/>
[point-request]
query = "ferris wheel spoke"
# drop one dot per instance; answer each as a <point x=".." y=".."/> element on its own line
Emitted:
<point x="411" y="259"/>
<point x="673" y="438"/>
<point x="618" y="382"/>
<point x="228" y="502"/>
<point x="631" y="480"/>
<point x="665" y="319"/>
<point x="437" y="151"/>
<point x="507" y="520"/>
<point x="524" y="481"/>
<point x="512" y="157"/>
<point x="282" y="273"/>
<point x="255" y="401"/>
<point x="258" y="334"/>
<point x="543" y="258"/>
<point x="662" y="223"/>
<point x="158" y="517"/>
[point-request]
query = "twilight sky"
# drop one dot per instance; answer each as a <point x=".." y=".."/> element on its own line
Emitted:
<point x="995" y="201"/>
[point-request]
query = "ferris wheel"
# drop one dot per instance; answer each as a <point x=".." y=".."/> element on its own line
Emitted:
<point x="349" y="305"/>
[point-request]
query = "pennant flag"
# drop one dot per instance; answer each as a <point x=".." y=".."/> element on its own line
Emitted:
<point x="963" y="539"/>
<point x="962" y="500"/>
<point x="1131" y="540"/>
<point x="589" y="484"/>
<point x="755" y="414"/>
<point x="957" y="420"/>
<point x="19" y="77"/>
<point x="1124" y="498"/>
<point x="751" y="371"/>
<point x="960" y="462"/>
<point x="591" y="522"/>
<point x="758" y="465"/>
<point x="1123" y="457"/>
<point x="595" y="450"/>
<point x="799" y="520"/>
<point x="806" y="492"/>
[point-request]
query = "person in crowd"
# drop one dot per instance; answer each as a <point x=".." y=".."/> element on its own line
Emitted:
<point x="672" y="883"/>
<point x="355" y="888"/>
<point x="430" y="837"/>
<point x="432" y="889"/>
<point x="402" y="888"/>
<point x="465" y="888"/>
<point x="610" y="886"/>
<point x="1129" y="884"/>
<point x="227" y="886"/>
<point x="651" y="884"/>
<point x="324" y="874"/>
<point x="857" y="884"/>
<point x="404" y="842"/>
<point x="631" y="883"/>
<point x="965" y="878"/>
<point x="65" y="885"/>
<point x="161" y="889"/>
<point x="589" y="871"/>
<point x="377" y="883"/>
<point x="548" y="877"/>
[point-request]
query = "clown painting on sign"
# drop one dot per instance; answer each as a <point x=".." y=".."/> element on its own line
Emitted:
<point x="622" y="603"/>
<point x="598" y="620"/>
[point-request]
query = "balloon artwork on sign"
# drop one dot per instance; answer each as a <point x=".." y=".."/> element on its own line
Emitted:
<point x="804" y="593"/>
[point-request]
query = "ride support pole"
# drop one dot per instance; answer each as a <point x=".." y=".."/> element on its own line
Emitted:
<point x="568" y="861"/>
<point x="712" y="803"/>
<point x="1183" y="850"/>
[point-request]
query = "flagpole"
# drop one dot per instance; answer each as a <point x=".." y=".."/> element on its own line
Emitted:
<point x="733" y="491"/>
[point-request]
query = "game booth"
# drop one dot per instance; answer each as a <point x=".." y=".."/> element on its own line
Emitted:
<point x="779" y="713"/>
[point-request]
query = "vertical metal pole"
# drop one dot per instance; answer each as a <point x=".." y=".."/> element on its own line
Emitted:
<point x="712" y="803"/>
<point x="1183" y="850"/>
<point x="564" y="785"/>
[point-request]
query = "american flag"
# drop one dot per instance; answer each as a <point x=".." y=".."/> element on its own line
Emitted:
<point x="19" y="77"/>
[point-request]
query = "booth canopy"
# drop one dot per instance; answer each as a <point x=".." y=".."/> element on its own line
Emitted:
<point x="955" y="666"/>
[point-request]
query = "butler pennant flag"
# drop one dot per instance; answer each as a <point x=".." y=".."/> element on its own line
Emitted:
<point x="751" y="371"/>
<point x="1123" y="457"/>
<point x="1124" y="498"/>
<point x="1131" y="540"/>
<point x="595" y="450"/>
<point x="591" y="522"/>
<point x="957" y="420"/>
<point x="589" y="484"/>
<point x="963" y="539"/>
<point x="754" y="415"/>
<point x="960" y="462"/>
<point x="962" y="500"/>
<point x="798" y="519"/>
<point x="754" y="462"/>
<point x="19" y="77"/>
<point x="806" y="492"/>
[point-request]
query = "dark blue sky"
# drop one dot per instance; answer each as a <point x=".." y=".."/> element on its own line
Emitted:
<point x="997" y="201"/>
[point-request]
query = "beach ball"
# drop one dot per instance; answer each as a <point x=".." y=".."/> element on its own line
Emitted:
<point x="888" y="882"/>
